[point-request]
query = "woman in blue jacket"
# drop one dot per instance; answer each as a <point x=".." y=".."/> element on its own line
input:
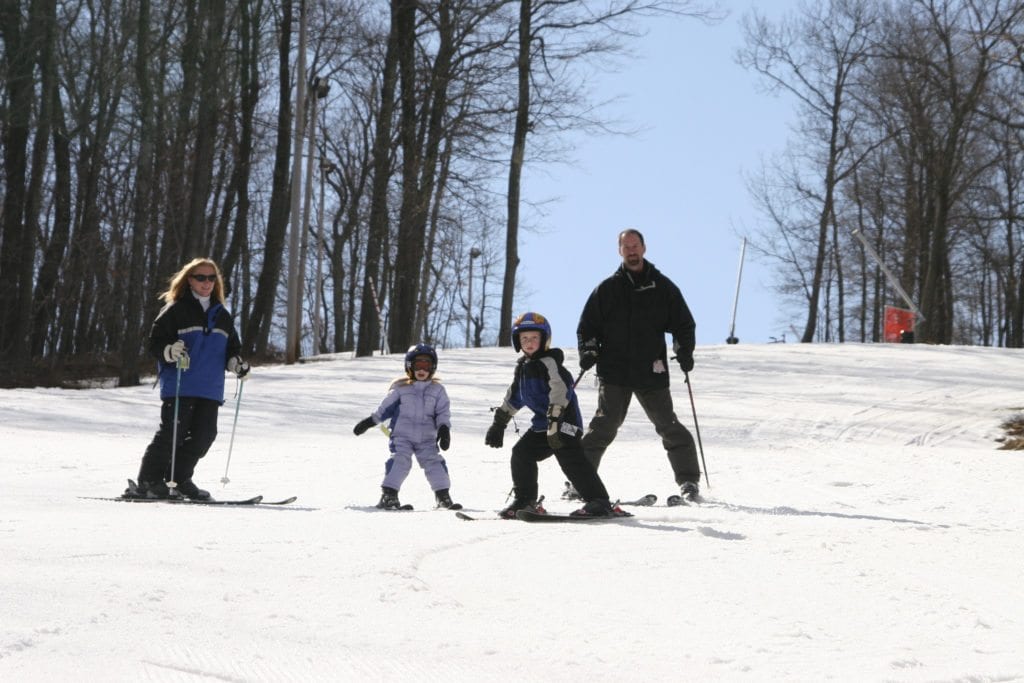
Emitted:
<point x="193" y="330"/>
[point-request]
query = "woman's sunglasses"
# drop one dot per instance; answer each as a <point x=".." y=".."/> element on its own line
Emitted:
<point x="198" y="277"/>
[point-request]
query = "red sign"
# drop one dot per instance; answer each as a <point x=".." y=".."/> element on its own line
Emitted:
<point x="899" y="324"/>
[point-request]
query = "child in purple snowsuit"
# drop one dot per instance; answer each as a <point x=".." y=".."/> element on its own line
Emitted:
<point x="418" y="408"/>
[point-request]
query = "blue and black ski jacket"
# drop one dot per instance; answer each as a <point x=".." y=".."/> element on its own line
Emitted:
<point x="210" y="340"/>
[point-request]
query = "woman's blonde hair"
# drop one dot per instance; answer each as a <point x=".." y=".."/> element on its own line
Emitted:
<point x="179" y="287"/>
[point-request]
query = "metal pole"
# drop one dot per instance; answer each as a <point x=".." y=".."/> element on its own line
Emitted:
<point x="231" y="444"/>
<point x="320" y="88"/>
<point x="307" y="201"/>
<point x="888" y="273"/>
<point x="182" y="364"/>
<point x="735" y="302"/>
<point x="469" y="304"/>
<point x="317" y="321"/>
<point x="473" y="254"/>
<point x="294" y="239"/>
<point x="696" y="428"/>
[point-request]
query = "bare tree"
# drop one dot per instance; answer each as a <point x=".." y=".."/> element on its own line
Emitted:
<point x="20" y="50"/>
<point x="943" y="53"/>
<point x="129" y="375"/>
<point x="551" y="32"/>
<point x="814" y="56"/>
<point x="369" y="313"/>
<point x="257" y="332"/>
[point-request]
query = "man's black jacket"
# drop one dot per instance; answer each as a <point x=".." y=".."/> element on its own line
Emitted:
<point x="626" y="318"/>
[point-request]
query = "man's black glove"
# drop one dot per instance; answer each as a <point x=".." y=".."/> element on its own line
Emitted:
<point x="555" y="427"/>
<point x="363" y="425"/>
<point x="684" y="354"/>
<point x="444" y="437"/>
<point x="496" y="432"/>
<point x="588" y="355"/>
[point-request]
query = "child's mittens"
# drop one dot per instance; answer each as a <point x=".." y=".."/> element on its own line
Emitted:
<point x="496" y="432"/>
<point x="363" y="426"/>
<point x="444" y="437"/>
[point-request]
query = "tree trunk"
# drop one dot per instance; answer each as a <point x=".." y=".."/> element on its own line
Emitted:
<point x="129" y="375"/>
<point x="249" y="95"/>
<point x="209" y="60"/>
<point x="19" y="57"/>
<point x="419" y="177"/>
<point x="257" y="332"/>
<point x="814" y="300"/>
<point x="515" y="172"/>
<point x="369" y="321"/>
<point x="45" y="299"/>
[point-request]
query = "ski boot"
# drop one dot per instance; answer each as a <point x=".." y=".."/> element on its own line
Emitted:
<point x="156" y="490"/>
<point x="188" y="489"/>
<point x="444" y="500"/>
<point x="690" y="492"/>
<point x="522" y="504"/>
<point x="599" y="507"/>
<point x="389" y="499"/>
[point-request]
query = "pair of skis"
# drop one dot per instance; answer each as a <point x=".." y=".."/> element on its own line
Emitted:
<point x="672" y="501"/>
<point x="540" y="517"/>
<point x="255" y="500"/>
<point x="408" y="506"/>
<point x="531" y="516"/>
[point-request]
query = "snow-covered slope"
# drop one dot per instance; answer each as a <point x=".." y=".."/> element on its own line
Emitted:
<point x="861" y="525"/>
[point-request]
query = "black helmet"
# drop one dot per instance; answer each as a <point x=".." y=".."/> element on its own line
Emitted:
<point x="531" y="321"/>
<point x="420" y="350"/>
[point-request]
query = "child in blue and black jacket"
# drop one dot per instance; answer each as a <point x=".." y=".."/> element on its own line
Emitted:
<point x="543" y="385"/>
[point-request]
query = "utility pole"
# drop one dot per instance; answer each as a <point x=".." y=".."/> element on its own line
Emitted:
<point x="735" y="302"/>
<point x="473" y="254"/>
<point x="318" y="326"/>
<point x="318" y="88"/>
<point x="294" y="317"/>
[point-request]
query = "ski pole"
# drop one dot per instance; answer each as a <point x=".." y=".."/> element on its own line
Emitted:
<point x="578" y="378"/>
<point x="231" y="444"/>
<point x="696" y="428"/>
<point x="182" y="364"/>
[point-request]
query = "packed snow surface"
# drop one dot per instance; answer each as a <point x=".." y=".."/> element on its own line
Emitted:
<point x="860" y="524"/>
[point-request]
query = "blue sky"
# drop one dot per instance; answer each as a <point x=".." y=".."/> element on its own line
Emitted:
<point x="680" y="181"/>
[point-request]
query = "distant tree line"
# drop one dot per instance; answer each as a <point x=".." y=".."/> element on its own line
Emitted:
<point x="348" y="163"/>
<point x="910" y="134"/>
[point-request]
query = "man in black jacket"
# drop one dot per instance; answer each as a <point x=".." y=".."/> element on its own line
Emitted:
<point x="622" y="330"/>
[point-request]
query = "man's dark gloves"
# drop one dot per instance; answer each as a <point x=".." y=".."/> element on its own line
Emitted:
<point x="444" y="437"/>
<point x="685" y="361"/>
<point x="496" y="432"/>
<point x="363" y="426"/>
<point x="684" y="354"/>
<point x="588" y="355"/>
